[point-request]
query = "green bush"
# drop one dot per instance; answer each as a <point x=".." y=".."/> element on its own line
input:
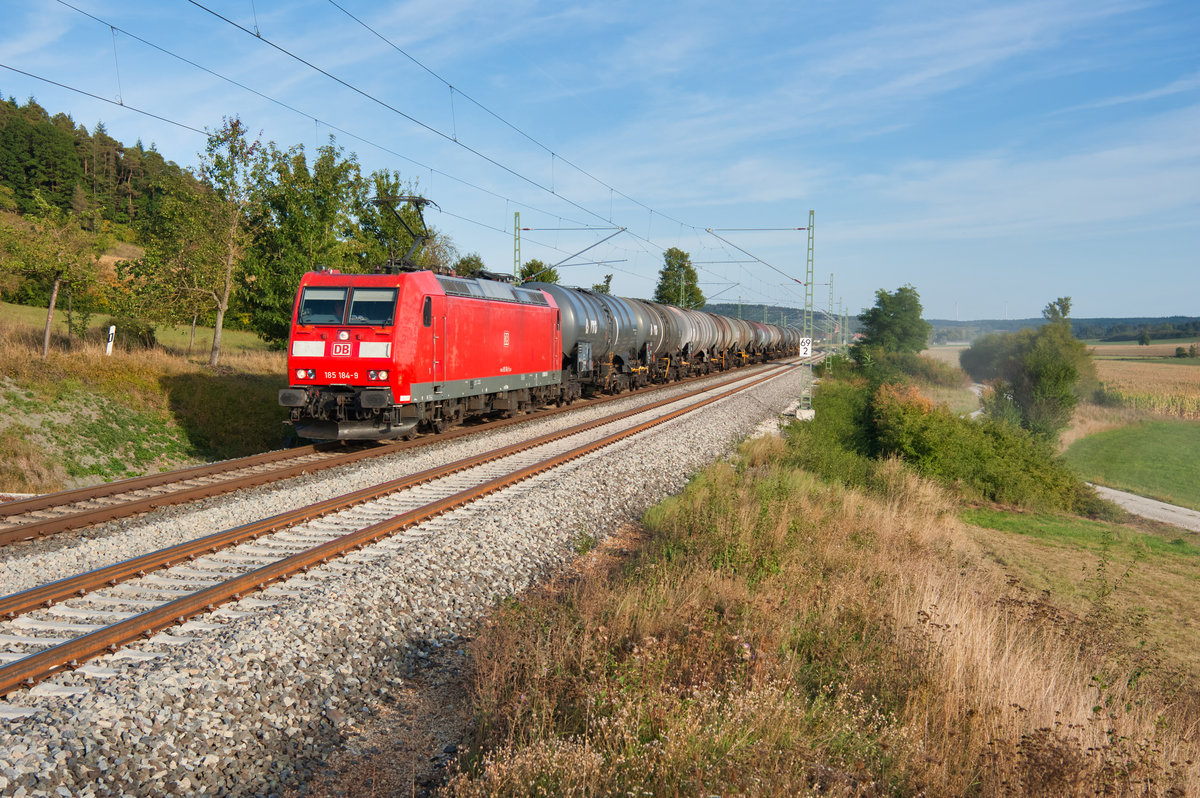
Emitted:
<point x="928" y="370"/>
<point x="878" y="366"/>
<point x="843" y="415"/>
<point x="985" y="459"/>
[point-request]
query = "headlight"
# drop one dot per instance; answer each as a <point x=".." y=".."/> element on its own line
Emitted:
<point x="343" y="335"/>
<point x="371" y="375"/>
<point x="312" y="375"/>
<point x="300" y="374"/>
<point x="383" y="375"/>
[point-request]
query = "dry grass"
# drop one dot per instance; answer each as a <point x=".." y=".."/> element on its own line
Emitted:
<point x="134" y="375"/>
<point x="946" y="354"/>
<point x="781" y="636"/>
<point x="1089" y="419"/>
<point x="1167" y="389"/>
<point x="25" y="468"/>
<point x="1134" y="581"/>
<point x="961" y="401"/>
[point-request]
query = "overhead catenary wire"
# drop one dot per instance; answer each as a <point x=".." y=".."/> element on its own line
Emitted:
<point x="104" y="99"/>
<point x="554" y="156"/>
<point x="316" y="120"/>
<point x="760" y="260"/>
<point x="423" y="125"/>
<point x="453" y="138"/>
<point x="205" y="133"/>
<point x="443" y="135"/>
<point x="293" y="109"/>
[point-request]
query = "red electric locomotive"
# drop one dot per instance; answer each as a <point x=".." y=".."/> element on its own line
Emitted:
<point x="374" y="356"/>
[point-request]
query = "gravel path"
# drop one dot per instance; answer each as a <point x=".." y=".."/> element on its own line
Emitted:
<point x="252" y="698"/>
<point x="1152" y="509"/>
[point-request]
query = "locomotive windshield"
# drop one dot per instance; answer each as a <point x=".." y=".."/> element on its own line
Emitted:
<point x="374" y="306"/>
<point x="322" y="306"/>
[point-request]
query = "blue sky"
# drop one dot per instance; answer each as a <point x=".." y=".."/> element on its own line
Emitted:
<point x="993" y="155"/>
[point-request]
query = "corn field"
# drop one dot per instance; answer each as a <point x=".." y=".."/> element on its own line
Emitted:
<point x="1162" y="389"/>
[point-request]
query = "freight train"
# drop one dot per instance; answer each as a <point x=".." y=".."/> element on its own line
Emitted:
<point x="381" y="356"/>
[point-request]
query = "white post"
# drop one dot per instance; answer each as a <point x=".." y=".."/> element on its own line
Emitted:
<point x="112" y="334"/>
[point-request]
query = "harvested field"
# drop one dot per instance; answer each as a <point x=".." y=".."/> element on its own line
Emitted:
<point x="1133" y="350"/>
<point x="1166" y="389"/>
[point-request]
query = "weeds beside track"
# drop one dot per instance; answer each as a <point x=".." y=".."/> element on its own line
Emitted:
<point x="779" y="635"/>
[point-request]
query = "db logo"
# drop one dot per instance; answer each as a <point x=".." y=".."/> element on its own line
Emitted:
<point x="341" y="350"/>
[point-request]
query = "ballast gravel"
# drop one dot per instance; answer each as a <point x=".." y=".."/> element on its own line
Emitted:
<point x="251" y="698"/>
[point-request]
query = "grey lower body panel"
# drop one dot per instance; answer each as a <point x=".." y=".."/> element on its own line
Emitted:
<point x="318" y="430"/>
<point x="457" y="389"/>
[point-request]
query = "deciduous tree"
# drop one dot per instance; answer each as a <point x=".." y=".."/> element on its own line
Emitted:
<point x="51" y="247"/>
<point x="534" y="271"/>
<point x="182" y="274"/>
<point x="226" y="164"/>
<point x="677" y="281"/>
<point x="301" y="218"/>
<point x="468" y="265"/>
<point x="894" y="324"/>
<point x="1035" y="375"/>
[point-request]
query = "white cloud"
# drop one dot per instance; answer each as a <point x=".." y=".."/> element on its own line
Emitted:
<point x="1181" y="85"/>
<point x="1146" y="177"/>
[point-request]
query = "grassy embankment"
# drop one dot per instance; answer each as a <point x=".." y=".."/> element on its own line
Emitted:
<point x="865" y="633"/>
<point x="1145" y="437"/>
<point x="1153" y="458"/>
<point x="79" y="417"/>
<point x="778" y="634"/>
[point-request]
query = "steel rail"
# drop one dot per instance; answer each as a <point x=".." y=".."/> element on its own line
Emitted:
<point x="49" y="500"/>
<point x="46" y="595"/>
<point x="96" y="515"/>
<point x="43" y="664"/>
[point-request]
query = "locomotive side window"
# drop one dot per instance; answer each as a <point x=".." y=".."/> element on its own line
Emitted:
<point x="322" y="306"/>
<point x="427" y="312"/>
<point x="374" y="306"/>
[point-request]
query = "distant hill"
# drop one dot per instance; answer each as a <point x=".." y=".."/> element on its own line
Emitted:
<point x="946" y="330"/>
<point x="1102" y="329"/>
<point x="87" y="172"/>
<point x="775" y="314"/>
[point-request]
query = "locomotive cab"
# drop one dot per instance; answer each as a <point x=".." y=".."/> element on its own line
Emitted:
<point x="372" y="356"/>
<point x="344" y="383"/>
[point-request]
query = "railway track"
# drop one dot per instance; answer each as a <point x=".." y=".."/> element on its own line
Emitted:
<point x="65" y="623"/>
<point x="42" y="516"/>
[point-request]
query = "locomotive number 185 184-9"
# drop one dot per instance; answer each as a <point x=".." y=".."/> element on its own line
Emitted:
<point x="341" y="375"/>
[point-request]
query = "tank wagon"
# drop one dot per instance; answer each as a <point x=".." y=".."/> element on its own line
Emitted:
<point x="379" y="356"/>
